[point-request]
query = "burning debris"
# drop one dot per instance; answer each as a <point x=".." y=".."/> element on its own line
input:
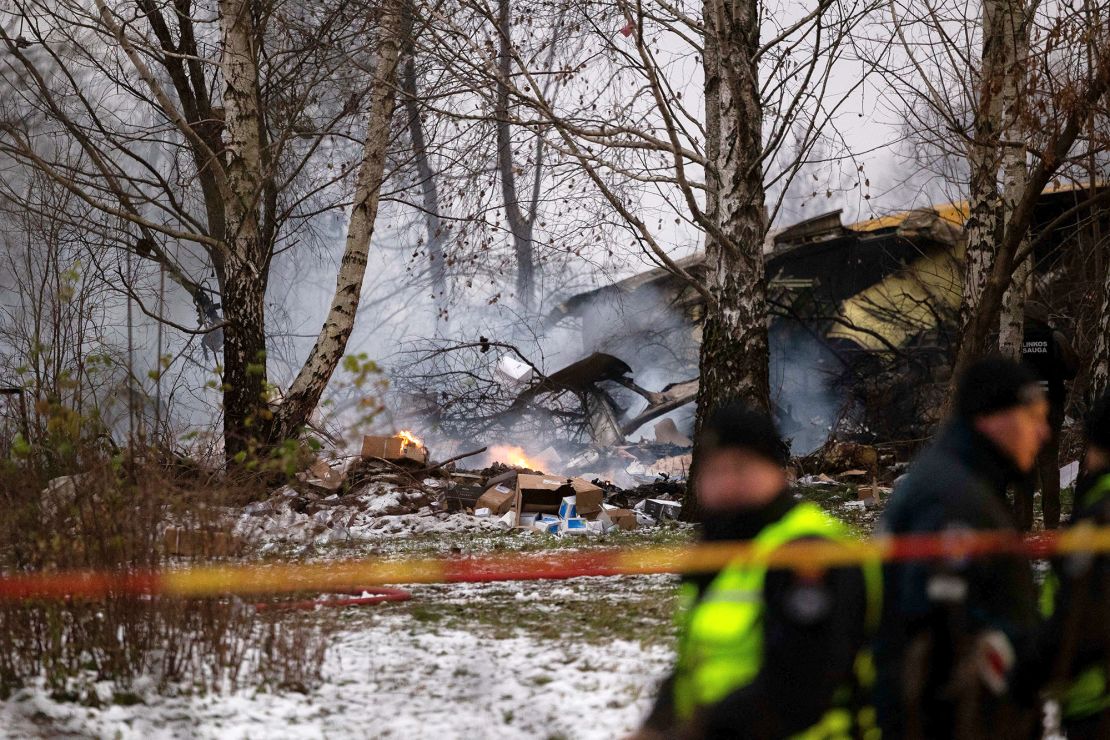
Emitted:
<point x="401" y="446"/>
<point x="393" y="489"/>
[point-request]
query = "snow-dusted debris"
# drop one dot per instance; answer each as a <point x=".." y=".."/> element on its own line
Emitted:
<point x="378" y="511"/>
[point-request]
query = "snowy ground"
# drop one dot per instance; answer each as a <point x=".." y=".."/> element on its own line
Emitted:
<point x="570" y="659"/>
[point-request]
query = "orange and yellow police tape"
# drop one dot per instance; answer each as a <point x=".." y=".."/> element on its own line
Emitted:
<point x="217" y="579"/>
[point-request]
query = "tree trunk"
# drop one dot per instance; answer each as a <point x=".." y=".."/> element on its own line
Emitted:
<point x="305" y="391"/>
<point x="1015" y="174"/>
<point x="433" y="226"/>
<point x="734" y="355"/>
<point x="984" y="221"/>
<point x="244" y="287"/>
<point x="246" y="411"/>
<point x="519" y="226"/>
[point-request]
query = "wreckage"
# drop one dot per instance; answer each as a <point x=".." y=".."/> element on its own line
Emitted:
<point x="863" y="317"/>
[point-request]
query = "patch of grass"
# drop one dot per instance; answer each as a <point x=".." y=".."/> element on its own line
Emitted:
<point x="594" y="610"/>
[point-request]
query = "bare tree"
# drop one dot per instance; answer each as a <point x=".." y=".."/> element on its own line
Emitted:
<point x="211" y="154"/>
<point x="1017" y="115"/>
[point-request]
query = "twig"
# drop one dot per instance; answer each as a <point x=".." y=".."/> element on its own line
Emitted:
<point x="449" y="460"/>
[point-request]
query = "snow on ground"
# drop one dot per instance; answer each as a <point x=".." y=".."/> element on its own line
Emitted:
<point x="460" y="661"/>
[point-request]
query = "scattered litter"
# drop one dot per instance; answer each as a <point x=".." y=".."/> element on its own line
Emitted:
<point x="660" y="509"/>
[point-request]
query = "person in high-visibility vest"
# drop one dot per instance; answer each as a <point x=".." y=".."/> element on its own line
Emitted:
<point x="1076" y="600"/>
<point x="766" y="653"/>
<point x="959" y="635"/>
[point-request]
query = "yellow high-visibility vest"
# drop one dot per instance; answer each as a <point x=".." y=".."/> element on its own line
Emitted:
<point x="721" y="634"/>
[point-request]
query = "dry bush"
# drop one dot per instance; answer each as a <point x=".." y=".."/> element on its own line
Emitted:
<point x="112" y="513"/>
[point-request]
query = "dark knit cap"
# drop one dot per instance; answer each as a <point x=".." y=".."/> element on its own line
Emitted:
<point x="1097" y="425"/>
<point x="995" y="384"/>
<point x="739" y="426"/>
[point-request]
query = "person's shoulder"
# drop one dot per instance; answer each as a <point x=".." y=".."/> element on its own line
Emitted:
<point x="935" y="484"/>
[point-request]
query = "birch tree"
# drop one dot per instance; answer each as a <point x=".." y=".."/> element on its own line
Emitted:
<point x="1016" y="117"/>
<point x="209" y="154"/>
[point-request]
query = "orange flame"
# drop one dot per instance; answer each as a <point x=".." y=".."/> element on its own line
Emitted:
<point x="408" y="438"/>
<point x="514" y="457"/>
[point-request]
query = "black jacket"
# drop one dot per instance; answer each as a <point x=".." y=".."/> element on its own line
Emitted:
<point x="812" y="631"/>
<point x="958" y="483"/>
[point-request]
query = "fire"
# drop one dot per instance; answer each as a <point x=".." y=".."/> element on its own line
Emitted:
<point x="408" y="438"/>
<point x="514" y="457"/>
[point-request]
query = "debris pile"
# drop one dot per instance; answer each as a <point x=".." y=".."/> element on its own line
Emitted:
<point x="552" y="505"/>
<point x="393" y="490"/>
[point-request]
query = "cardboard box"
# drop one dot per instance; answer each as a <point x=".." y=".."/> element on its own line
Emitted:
<point x="575" y="525"/>
<point x="618" y="518"/>
<point x="323" y="475"/>
<point x="544" y="494"/>
<point x="546" y="527"/>
<point x="393" y="448"/>
<point x="525" y="520"/>
<point x="498" y="499"/>
<point x="568" y="508"/>
<point x="661" y="509"/>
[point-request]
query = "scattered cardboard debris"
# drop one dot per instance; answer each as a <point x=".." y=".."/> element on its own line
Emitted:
<point x="498" y="499"/>
<point x="322" y="475"/>
<point x="401" y="446"/>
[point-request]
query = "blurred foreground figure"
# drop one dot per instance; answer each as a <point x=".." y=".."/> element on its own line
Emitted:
<point x="958" y="637"/>
<point x="1076" y="600"/>
<point x="766" y="653"/>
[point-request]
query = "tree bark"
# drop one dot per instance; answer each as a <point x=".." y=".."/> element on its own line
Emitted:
<point x="244" y="281"/>
<point x="1100" y="356"/>
<point x="305" y="391"/>
<point x="734" y="355"/>
<point x="1015" y="172"/>
<point x="519" y="226"/>
<point x="984" y="221"/>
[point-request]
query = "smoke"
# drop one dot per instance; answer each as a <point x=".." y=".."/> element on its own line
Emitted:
<point x="802" y="368"/>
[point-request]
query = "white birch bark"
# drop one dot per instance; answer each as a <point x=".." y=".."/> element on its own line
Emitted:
<point x="306" y="389"/>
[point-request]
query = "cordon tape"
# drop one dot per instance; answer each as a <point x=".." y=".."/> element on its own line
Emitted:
<point x="813" y="556"/>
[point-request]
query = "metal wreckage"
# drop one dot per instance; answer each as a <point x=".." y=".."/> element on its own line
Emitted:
<point x="863" y="316"/>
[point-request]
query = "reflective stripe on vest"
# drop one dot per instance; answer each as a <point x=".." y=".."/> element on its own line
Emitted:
<point x="721" y="636"/>
<point x="1099" y="491"/>
<point x="1086" y="695"/>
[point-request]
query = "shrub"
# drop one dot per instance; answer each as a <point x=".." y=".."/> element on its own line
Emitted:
<point x="112" y="512"/>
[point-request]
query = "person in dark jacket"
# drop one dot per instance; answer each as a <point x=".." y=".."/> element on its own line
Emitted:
<point x="1076" y="600"/>
<point x="956" y="634"/>
<point x="764" y="653"/>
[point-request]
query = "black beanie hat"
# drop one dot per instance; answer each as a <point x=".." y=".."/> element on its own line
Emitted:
<point x="1097" y="425"/>
<point x="995" y="384"/>
<point x="739" y="426"/>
